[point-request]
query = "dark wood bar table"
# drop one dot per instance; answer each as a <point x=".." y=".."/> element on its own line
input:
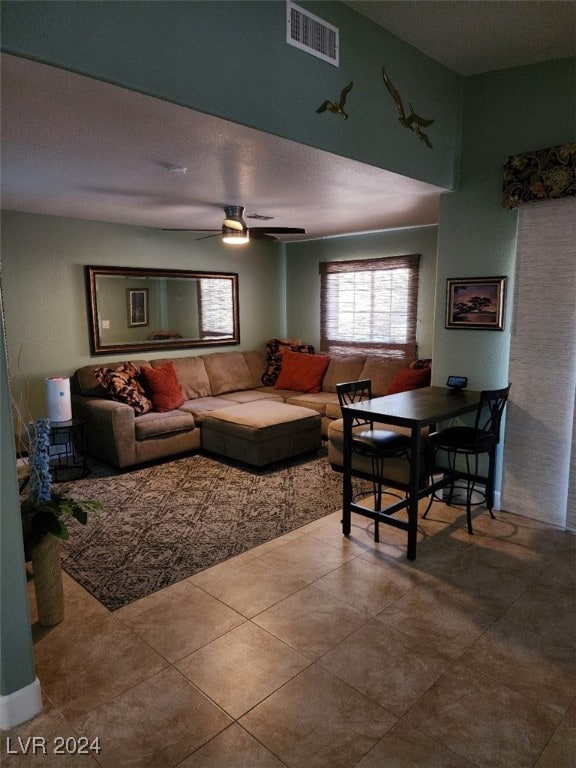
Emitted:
<point x="415" y="410"/>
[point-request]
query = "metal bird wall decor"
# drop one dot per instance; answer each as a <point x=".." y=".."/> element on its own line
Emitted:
<point x="338" y="108"/>
<point x="412" y="121"/>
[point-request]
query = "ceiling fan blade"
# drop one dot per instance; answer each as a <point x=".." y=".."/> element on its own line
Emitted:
<point x="259" y="234"/>
<point x="279" y="230"/>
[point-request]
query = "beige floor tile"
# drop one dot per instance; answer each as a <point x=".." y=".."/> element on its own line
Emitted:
<point x="311" y="621"/>
<point x="526" y="532"/>
<point x="389" y="667"/>
<point x="83" y="666"/>
<point x="561" y="573"/>
<point x="216" y="571"/>
<point x="365" y="587"/>
<point x="548" y="612"/>
<point x="405" y="747"/>
<point x="253" y="587"/>
<point x="560" y="752"/>
<point x="317" y="721"/>
<point x="241" y="668"/>
<point x="448" y="625"/>
<point x="39" y="743"/>
<point x="155" y="724"/>
<point x="233" y="748"/>
<point x="185" y="623"/>
<point x="484" y="721"/>
<point x="307" y="558"/>
<point x="516" y="560"/>
<point x="151" y="601"/>
<point x="531" y="664"/>
<point x="472" y="581"/>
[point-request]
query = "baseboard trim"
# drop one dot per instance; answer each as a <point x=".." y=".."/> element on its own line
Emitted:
<point x="20" y="706"/>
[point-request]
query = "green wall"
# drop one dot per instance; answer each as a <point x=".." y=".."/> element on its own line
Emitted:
<point x="506" y="112"/>
<point x="303" y="278"/>
<point x="43" y="260"/>
<point x="231" y="59"/>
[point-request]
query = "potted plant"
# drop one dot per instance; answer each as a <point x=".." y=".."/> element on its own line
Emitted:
<point x="45" y="512"/>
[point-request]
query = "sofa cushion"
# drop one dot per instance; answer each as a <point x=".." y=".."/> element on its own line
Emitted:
<point x="191" y="373"/>
<point x="410" y="378"/>
<point x="200" y="406"/>
<point x="227" y="372"/>
<point x="251" y="396"/>
<point x="381" y="372"/>
<point x="256" y="362"/>
<point x="156" y="424"/>
<point x="317" y="401"/>
<point x="342" y="368"/>
<point x="123" y="385"/>
<point x="162" y="386"/>
<point x="274" y="351"/>
<point x="302" y="372"/>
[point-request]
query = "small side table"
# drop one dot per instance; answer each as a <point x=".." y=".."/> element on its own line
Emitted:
<point x="69" y="449"/>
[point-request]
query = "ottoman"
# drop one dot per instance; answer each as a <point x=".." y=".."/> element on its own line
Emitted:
<point x="262" y="432"/>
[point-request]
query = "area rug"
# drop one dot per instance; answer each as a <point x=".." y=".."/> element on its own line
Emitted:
<point x="162" y="524"/>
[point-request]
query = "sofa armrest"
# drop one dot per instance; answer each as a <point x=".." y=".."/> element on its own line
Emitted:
<point x="110" y="428"/>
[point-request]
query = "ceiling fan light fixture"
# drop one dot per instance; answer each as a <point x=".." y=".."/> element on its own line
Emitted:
<point x="234" y="229"/>
<point x="235" y="236"/>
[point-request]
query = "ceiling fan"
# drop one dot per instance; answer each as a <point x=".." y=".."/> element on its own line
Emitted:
<point x="234" y="230"/>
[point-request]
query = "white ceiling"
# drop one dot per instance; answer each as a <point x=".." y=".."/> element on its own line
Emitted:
<point x="475" y="36"/>
<point x="73" y="146"/>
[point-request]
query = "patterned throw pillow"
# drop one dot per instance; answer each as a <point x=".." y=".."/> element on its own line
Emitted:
<point x="418" y="365"/>
<point x="122" y="385"/>
<point x="274" y="350"/>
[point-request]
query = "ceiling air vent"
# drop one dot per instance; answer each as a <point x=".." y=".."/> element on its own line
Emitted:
<point x="308" y="32"/>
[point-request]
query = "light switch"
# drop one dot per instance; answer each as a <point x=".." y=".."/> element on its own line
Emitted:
<point x="105" y="324"/>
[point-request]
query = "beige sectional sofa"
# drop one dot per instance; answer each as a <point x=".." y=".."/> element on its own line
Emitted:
<point x="210" y="383"/>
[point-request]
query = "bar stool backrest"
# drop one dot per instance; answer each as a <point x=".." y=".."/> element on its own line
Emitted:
<point x="490" y="411"/>
<point x="351" y="392"/>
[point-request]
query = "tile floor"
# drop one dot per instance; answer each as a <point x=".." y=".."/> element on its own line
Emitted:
<point x="318" y="651"/>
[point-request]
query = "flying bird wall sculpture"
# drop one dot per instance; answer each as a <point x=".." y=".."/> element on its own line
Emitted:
<point x="337" y="108"/>
<point x="412" y="121"/>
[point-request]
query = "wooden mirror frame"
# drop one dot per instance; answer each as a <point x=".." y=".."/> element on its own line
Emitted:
<point x="156" y="309"/>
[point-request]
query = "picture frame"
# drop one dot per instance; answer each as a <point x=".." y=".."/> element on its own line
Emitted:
<point x="475" y="303"/>
<point x="137" y="307"/>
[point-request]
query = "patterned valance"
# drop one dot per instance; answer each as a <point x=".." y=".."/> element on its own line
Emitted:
<point x="544" y="174"/>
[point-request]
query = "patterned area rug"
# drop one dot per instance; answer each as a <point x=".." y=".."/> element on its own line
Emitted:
<point x="164" y="523"/>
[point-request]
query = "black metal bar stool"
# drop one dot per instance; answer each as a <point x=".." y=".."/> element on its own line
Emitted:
<point x="375" y="444"/>
<point x="470" y="442"/>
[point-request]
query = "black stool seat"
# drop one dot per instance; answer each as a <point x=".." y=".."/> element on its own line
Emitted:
<point x="381" y="440"/>
<point x="464" y="439"/>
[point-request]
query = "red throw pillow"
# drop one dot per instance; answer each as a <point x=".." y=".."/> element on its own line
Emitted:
<point x="302" y="372"/>
<point x="163" y="386"/>
<point x="410" y="378"/>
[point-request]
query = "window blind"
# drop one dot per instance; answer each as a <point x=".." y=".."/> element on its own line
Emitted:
<point x="369" y="306"/>
<point x="216" y="310"/>
<point x="538" y="469"/>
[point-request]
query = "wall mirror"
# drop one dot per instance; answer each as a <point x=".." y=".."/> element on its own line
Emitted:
<point x="135" y="310"/>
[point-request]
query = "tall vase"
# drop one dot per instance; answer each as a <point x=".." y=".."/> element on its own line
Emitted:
<point x="47" y="571"/>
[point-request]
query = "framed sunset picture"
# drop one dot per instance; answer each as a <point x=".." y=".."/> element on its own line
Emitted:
<point x="475" y="303"/>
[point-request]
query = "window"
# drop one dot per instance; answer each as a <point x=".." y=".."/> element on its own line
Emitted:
<point x="216" y="311"/>
<point x="369" y="306"/>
